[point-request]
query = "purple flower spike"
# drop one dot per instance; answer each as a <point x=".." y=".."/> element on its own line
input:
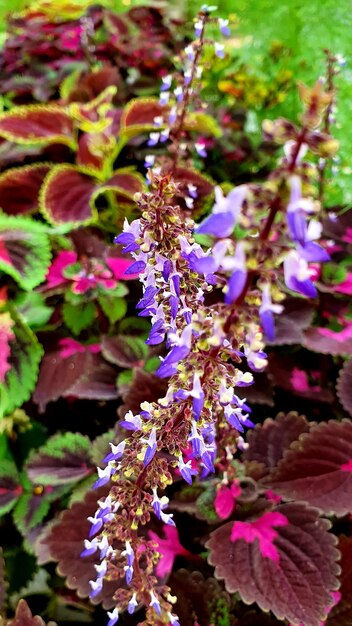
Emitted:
<point x="297" y="275"/>
<point x="113" y="617"/>
<point x="151" y="449"/>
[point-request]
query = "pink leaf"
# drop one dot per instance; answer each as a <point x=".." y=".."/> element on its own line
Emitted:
<point x="69" y="346"/>
<point x="55" y="275"/>
<point x="225" y="500"/>
<point x="169" y="548"/>
<point x="299" y="381"/>
<point x="346" y="286"/>
<point x="6" y="335"/>
<point x="263" y="530"/>
<point x="118" y="267"/>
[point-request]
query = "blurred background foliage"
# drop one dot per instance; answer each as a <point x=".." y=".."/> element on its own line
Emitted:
<point x="274" y="45"/>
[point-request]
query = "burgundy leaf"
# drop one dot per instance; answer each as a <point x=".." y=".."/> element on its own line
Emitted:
<point x="41" y="124"/>
<point x="199" y="600"/>
<point x="126" y="183"/>
<point x="144" y="387"/>
<point x="58" y="375"/>
<point x="10" y="487"/>
<point x="65" y="544"/>
<point x="63" y="459"/>
<point x="66" y="195"/>
<point x="20" y="186"/>
<point x="124" y="351"/>
<point x="289" y="372"/>
<point x="318" y="468"/>
<point x="341" y="614"/>
<point x="344" y="386"/>
<point x="295" y="318"/>
<point x="24" y="617"/>
<point x="268" y="441"/>
<point x="297" y="586"/>
<point x="138" y="116"/>
<point x="98" y="383"/>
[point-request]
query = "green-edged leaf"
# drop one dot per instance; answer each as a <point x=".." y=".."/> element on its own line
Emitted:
<point x="24" y="250"/>
<point x="33" y="309"/>
<point x="37" y="124"/>
<point x="124" y="184"/>
<point x="63" y="459"/>
<point x="124" y="351"/>
<point x="138" y="116"/>
<point x="66" y="195"/>
<point x="34" y="505"/>
<point x="20" y="186"/>
<point x="114" y="308"/>
<point x="25" y="355"/>
<point x="202" y="123"/>
<point x="10" y="486"/>
<point x="6" y="336"/>
<point x="78" y="316"/>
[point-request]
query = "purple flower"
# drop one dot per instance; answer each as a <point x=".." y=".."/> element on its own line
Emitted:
<point x="136" y="268"/>
<point x="104" y="476"/>
<point x="225" y="213"/>
<point x="149" y="161"/>
<point x="132" y="604"/>
<point x="115" y="454"/>
<point x="200" y="148"/>
<point x="151" y="447"/>
<point x="113" y="617"/>
<point x="131" y="422"/>
<point x="232" y="416"/>
<point x="156" y="334"/>
<point x="90" y="547"/>
<point x="97" y="586"/>
<point x="173" y="619"/>
<point x="186" y="470"/>
<point x="223" y="24"/>
<point x="154" y="603"/>
<point x="297" y="275"/>
<point x="101" y="568"/>
<point x="266" y="312"/>
<point x="129" y="552"/>
<point x="219" y="49"/>
<point x="97" y="524"/>
<point x="238" y="278"/>
<point x="166" y="82"/>
<point x="180" y="349"/>
<point x="164" y="97"/>
<point x="178" y="92"/>
<point x="198" y="27"/>
<point x="131" y="232"/>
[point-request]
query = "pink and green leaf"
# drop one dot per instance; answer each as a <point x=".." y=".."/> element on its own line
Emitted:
<point x="6" y="336"/>
<point x="10" y="486"/>
<point x="63" y="459"/>
<point x="24" y="250"/>
<point x="25" y="356"/>
<point x="295" y="586"/>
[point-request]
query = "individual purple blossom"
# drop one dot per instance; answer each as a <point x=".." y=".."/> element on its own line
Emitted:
<point x="178" y="93"/>
<point x="172" y="116"/>
<point x="224" y="28"/>
<point x="97" y="586"/>
<point x="310" y="250"/>
<point x="173" y="619"/>
<point x="128" y="237"/>
<point x="186" y="470"/>
<point x="128" y="569"/>
<point x="166" y="82"/>
<point x="219" y="49"/>
<point x="200" y="148"/>
<point x="225" y="213"/>
<point x="297" y="275"/>
<point x="151" y="447"/>
<point x="233" y="416"/>
<point x="149" y="161"/>
<point x="113" y="617"/>
<point x="192" y="190"/>
<point x="181" y="348"/>
<point x="101" y="568"/>
<point x="104" y="476"/>
<point x="131" y="422"/>
<point x="187" y="76"/>
<point x="164" y="97"/>
<point x="132" y="604"/>
<point x="154" y="603"/>
<point x="189" y="51"/>
<point x="266" y="312"/>
<point x="153" y="139"/>
<point x="97" y="524"/>
<point x="116" y="452"/>
<point x="198" y="27"/>
<point x="90" y="547"/>
<point x="238" y="278"/>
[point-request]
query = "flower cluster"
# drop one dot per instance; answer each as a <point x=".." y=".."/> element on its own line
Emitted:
<point x="212" y="308"/>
